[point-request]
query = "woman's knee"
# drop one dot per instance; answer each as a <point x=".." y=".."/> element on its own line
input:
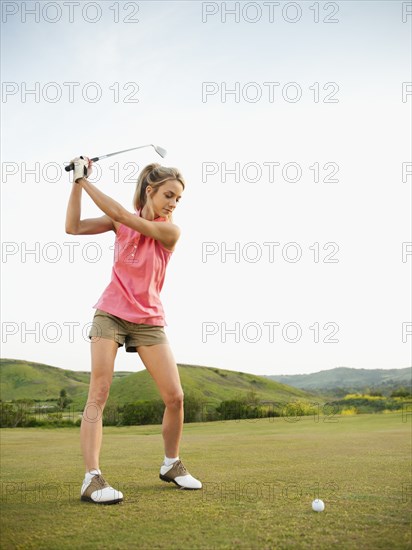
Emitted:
<point x="99" y="390"/>
<point x="174" y="400"/>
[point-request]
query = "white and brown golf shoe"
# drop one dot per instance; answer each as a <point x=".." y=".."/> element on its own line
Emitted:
<point x="96" y="489"/>
<point x="178" y="474"/>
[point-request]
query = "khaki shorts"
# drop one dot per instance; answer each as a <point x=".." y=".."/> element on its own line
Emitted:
<point x="132" y="335"/>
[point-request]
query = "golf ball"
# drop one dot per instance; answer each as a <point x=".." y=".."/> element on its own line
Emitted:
<point x="318" y="505"/>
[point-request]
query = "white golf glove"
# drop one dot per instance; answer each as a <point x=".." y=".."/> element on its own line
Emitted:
<point x="81" y="168"/>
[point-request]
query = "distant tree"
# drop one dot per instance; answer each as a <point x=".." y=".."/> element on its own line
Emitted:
<point x="244" y="407"/>
<point x="63" y="400"/>
<point x="16" y="414"/>
<point x="112" y="415"/>
<point x="252" y="397"/>
<point x="338" y="391"/>
<point x="401" y="392"/>
<point x="7" y="416"/>
<point x="193" y="409"/>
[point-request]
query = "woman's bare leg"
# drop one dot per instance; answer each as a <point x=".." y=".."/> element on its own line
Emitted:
<point x="103" y="353"/>
<point x="160" y="363"/>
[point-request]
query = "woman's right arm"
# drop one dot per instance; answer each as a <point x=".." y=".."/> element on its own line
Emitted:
<point x="90" y="226"/>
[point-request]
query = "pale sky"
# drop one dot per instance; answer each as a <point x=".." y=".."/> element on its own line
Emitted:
<point x="293" y="135"/>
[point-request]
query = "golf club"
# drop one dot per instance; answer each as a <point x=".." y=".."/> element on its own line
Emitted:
<point x="162" y="152"/>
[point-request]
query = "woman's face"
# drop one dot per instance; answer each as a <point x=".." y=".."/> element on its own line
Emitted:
<point x="165" y="200"/>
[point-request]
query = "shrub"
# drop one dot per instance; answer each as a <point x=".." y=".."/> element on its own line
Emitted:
<point x="193" y="408"/>
<point x="143" y="412"/>
<point x="234" y="409"/>
<point x="112" y="415"/>
<point x="349" y="412"/>
<point x="401" y="392"/>
<point x="14" y="415"/>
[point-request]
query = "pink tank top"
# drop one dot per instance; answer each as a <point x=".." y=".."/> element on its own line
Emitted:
<point x="137" y="278"/>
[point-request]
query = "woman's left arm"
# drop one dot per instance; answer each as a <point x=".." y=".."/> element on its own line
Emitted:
<point x="167" y="233"/>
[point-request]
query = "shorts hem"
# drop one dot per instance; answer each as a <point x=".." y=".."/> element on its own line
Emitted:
<point x="120" y="344"/>
<point x="133" y="348"/>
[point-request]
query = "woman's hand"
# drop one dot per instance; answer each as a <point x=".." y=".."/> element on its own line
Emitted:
<point x="82" y="168"/>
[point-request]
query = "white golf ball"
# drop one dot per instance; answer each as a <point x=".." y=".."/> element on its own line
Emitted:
<point x="318" y="505"/>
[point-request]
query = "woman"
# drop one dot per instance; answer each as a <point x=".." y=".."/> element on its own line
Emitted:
<point x="130" y="312"/>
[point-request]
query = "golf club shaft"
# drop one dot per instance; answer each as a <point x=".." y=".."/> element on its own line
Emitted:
<point x="95" y="159"/>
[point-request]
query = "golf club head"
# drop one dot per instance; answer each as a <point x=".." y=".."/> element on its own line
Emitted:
<point x="162" y="152"/>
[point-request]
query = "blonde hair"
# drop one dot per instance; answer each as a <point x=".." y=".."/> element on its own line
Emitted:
<point x="154" y="175"/>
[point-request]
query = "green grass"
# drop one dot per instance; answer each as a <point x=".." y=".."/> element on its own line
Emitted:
<point x="259" y="480"/>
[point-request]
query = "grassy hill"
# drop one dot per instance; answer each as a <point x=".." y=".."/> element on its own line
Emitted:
<point x="209" y="384"/>
<point x="27" y="380"/>
<point x="349" y="380"/>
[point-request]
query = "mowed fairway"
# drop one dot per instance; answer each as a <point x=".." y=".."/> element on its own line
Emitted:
<point x="259" y="477"/>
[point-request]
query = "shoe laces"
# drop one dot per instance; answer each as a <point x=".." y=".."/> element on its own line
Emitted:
<point x="180" y="469"/>
<point x="99" y="480"/>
